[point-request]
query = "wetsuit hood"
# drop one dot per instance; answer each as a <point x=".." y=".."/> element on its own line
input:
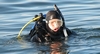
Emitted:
<point x="52" y="15"/>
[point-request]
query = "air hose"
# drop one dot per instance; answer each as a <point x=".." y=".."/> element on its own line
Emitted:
<point x="32" y="20"/>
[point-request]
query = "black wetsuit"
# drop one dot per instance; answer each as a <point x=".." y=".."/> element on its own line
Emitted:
<point x="42" y="33"/>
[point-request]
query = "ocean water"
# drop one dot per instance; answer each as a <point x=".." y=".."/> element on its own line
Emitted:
<point x="81" y="16"/>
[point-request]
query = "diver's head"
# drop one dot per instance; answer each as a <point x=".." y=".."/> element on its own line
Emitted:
<point x="53" y="20"/>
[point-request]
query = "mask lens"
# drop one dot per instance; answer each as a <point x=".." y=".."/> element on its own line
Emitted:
<point x="56" y="22"/>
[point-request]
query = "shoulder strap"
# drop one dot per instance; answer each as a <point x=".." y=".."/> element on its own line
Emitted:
<point x="65" y="33"/>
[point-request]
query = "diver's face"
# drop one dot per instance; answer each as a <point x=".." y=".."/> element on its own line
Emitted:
<point x="55" y="24"/>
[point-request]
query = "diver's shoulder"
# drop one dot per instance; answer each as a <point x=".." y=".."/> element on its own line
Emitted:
<point x="70" y="31"/>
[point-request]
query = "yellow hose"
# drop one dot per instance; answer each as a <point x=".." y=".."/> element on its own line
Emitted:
<point x="34" y="19"/>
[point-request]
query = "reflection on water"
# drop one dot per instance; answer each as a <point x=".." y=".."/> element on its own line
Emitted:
<point x="58" y="48"/>
<point x="54" y="48"/>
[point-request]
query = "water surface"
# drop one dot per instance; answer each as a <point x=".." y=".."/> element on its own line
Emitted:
<point x="81" y="16"/>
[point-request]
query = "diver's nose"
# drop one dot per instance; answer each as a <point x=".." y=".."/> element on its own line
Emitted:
<point x="56" y="25"/>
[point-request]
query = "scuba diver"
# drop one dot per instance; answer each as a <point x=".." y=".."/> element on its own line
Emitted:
<point x="50" y="27"/>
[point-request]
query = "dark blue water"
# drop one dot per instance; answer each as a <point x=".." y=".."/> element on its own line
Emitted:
<point x="81" y="16"/>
